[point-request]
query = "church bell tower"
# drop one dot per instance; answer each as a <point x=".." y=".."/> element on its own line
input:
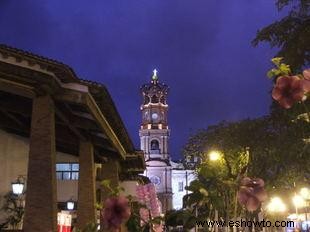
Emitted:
<point x="154" y="135"/>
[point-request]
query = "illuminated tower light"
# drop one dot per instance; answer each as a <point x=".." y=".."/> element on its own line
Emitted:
<point x="154" y="77"/>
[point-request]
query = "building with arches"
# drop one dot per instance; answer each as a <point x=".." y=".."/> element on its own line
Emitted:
<point x="60" y="137"/>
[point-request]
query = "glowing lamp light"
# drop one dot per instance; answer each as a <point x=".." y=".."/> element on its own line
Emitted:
<point x="276" y="205"/>
<point x="298" y="201"/>
<point x="70" y="204"/>
<point x="214" y="155"/>
<point x="305" y="193"/>
<point x="18" y="187"/>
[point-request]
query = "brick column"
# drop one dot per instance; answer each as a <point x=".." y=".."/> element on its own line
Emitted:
<point x="86" y="210"/>
<point x="40" y="209"/>
<point x="109" y="171"/>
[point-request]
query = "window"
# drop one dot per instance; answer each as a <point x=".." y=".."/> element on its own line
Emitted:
<point x="98" y="196"/>
<point x="163" y="100"/>
<point x="154" y="145"/>
<point x="181" y="186"/>
<point x="98" y="174"/>
<point x="146" y="100"/>
<point x="67" y="171"/>
<point x="154" y="127"/>
<point x="154" y="99"/>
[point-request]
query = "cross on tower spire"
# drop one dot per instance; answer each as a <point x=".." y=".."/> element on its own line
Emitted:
<point x="155" y="77"/>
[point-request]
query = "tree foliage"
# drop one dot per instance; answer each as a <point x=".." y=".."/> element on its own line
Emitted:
<point x="291" y="34"/>
<point x="14" y="210"/>
<point x="274" y="141"/>
<point x="270" y="148"/>
<point x="183" y="218"/>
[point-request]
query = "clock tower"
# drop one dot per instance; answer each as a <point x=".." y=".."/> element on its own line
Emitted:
<point x="154" y="135"/>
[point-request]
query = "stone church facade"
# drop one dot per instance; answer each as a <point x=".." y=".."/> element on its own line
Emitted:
<point x="170" y="178"/>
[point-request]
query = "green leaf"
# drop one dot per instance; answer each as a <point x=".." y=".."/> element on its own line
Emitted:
<point x="156" y="220"/>
<point x="204" y="192"/>
<point x="284" y="69"/>
<point x="106" y="183"/>
<point x="276" y="60"/>
<point x="272" y="73"/>
<point x="133" y="223"/>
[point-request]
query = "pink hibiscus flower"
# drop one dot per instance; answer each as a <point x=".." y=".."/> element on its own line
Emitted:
<point x="288" y="90"/>
<point x="251" y="193"/>
<point x="116" y="212"/>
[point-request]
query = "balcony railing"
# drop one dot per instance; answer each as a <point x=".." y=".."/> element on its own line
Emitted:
<point x="155" y="152"/>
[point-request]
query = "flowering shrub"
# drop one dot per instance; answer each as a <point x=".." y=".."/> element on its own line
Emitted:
<point x="143" y="215"/>
<point x="147" y="195"/>
<point x="151" y="212"/>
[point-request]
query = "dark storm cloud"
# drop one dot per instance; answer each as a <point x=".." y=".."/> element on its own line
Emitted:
<point x="201" y="49"/>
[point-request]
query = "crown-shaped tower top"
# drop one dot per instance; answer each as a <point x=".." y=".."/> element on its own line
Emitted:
<point x="155" y="92"/>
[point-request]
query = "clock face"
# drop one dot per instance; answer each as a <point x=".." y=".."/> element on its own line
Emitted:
<point x="155" y="180"/>
<point x="154" y="116"/>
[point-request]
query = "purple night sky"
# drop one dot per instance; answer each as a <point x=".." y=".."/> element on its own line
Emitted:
<point x="201" y="49"/>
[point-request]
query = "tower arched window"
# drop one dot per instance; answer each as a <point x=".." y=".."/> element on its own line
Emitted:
<point x="163" y="100"/>
<point x="146" y="100"/>
<point x="155" y="99"/>
<point x="154" y="145"/>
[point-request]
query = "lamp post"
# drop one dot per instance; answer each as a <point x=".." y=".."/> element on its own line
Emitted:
<point x="70" y="204"/>
<point x="276" y="206"/>
<point x="18" y="186"/>
<point x="18" y="189"/>
<point x="215" y="156"/>
<point x="305" y="194"/>
<point x="298" y="202"/>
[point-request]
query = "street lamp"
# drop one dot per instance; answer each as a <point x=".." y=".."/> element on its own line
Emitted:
<point x="299" y="201"/>
<point x="276" y="205"/>
<point x="214" y="155"/>
<point x="18" y="198"/>
<point x="70" y="204"/>
<point x="305" y="193"/>
<point x="18" y="186"/>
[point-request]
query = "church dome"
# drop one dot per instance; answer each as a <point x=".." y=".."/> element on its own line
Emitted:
<point x="155" y="92"/>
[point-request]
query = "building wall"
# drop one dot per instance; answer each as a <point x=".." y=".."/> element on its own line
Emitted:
<point x="161" y="135"/>
<point x="14" y="151"/>
<point x="164" y="175"/>
<point x="13" y="161"/>
<point x="184" y="178"/>
<point x="66" y="189"/>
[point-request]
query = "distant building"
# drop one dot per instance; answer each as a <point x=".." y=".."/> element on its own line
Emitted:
<point x="181" y="178"/>
<point x="170" y="178"/>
